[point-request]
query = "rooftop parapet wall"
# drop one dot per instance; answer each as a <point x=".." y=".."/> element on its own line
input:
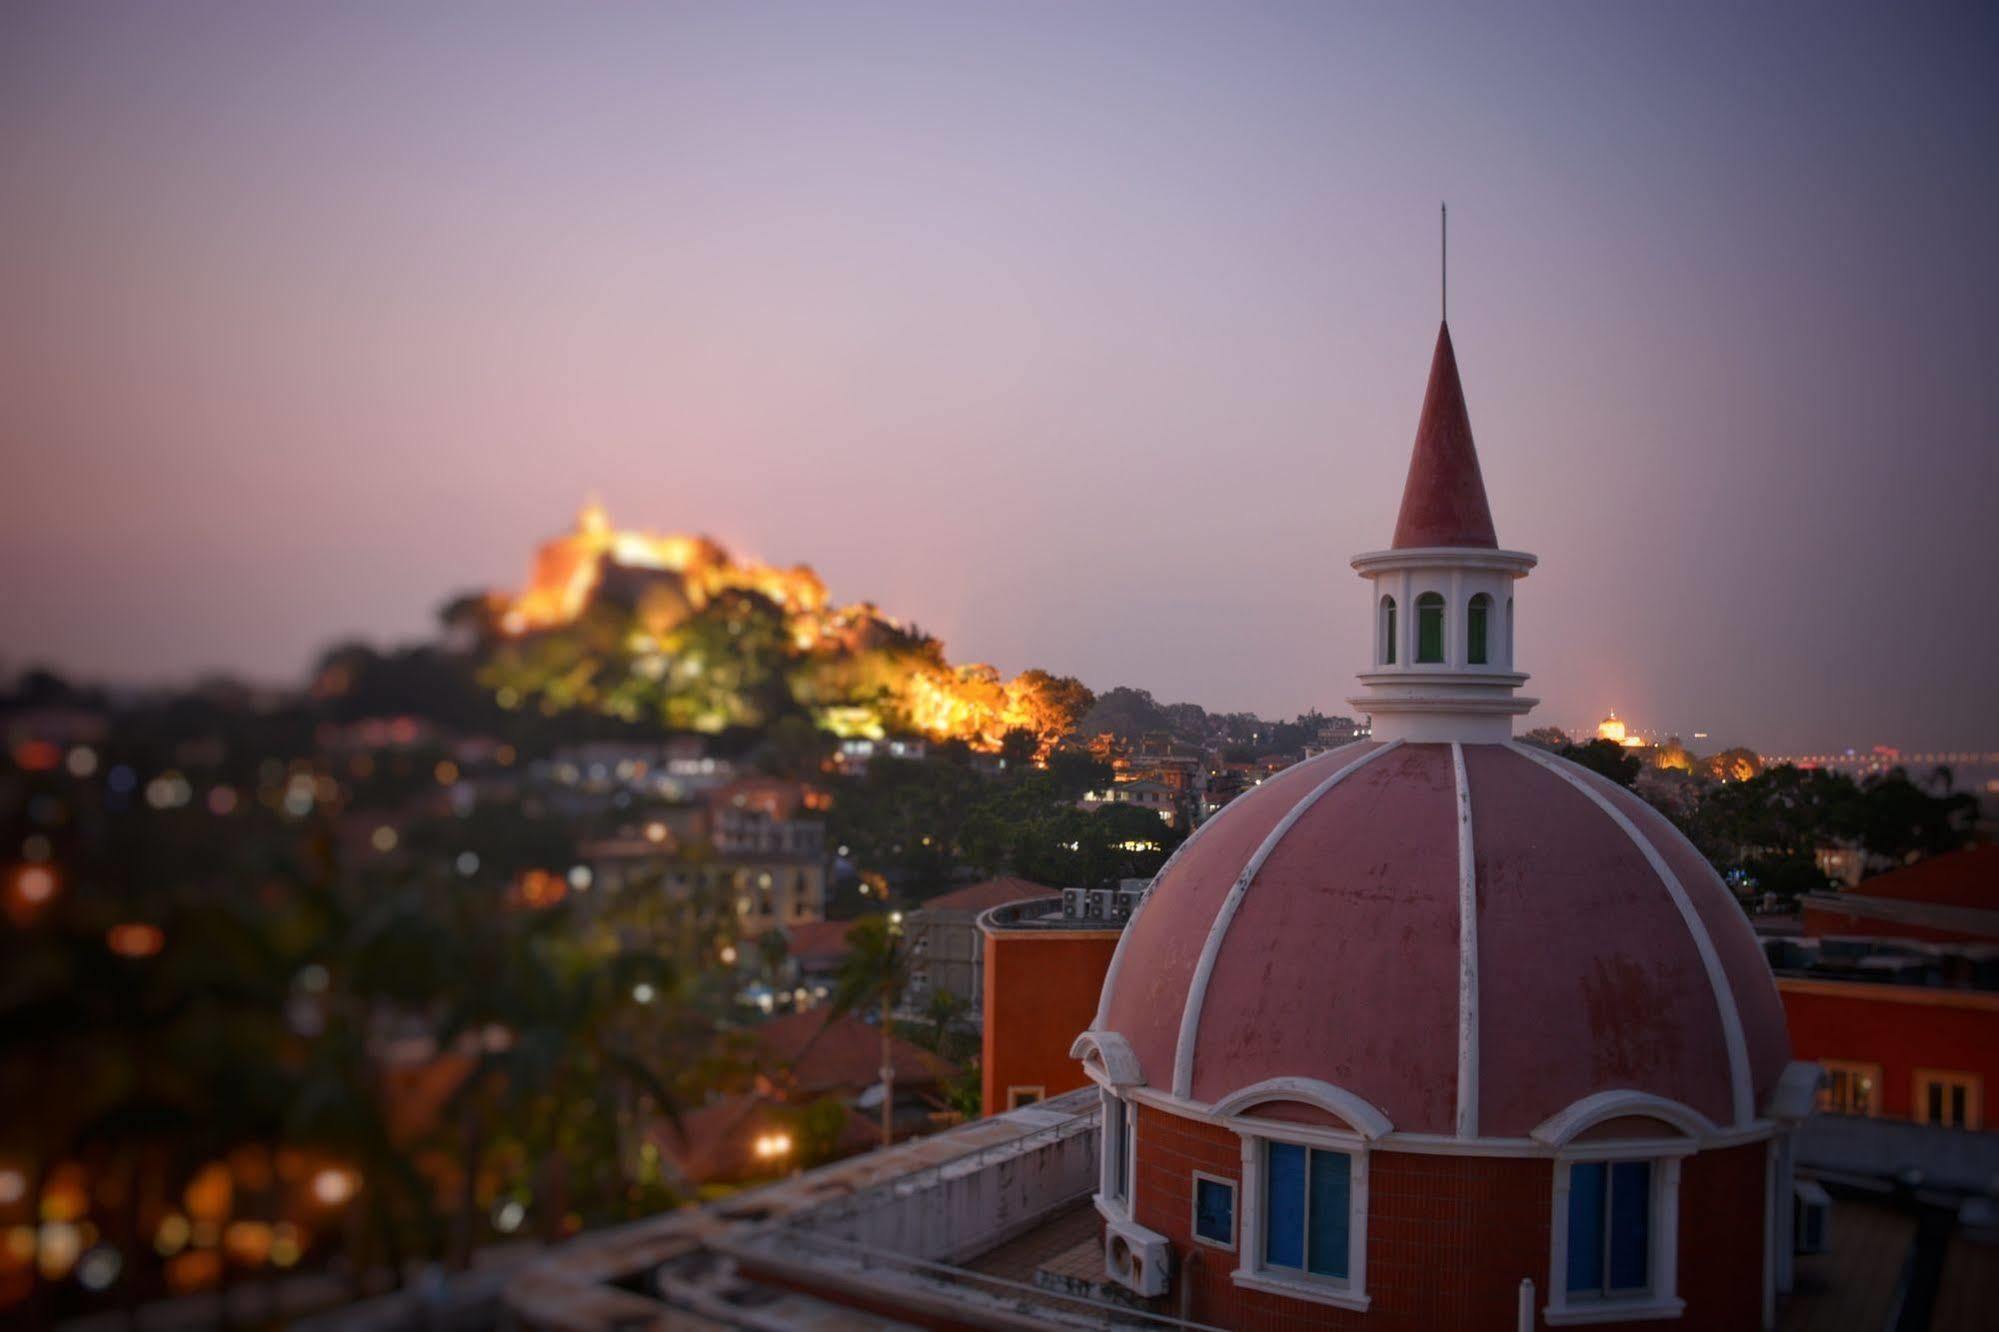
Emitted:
<point x="933" y="1200"/>
<point x="964" y="1204"/>
<point x="1946" y="1160"/>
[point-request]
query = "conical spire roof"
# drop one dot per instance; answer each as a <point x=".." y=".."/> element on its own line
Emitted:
<point x="1443" y="501"/>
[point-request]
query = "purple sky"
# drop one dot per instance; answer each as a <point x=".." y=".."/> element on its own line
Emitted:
<point x="1086" y="336"/>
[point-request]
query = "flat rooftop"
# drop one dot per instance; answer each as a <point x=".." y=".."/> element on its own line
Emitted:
<point x="985" y="1225"/>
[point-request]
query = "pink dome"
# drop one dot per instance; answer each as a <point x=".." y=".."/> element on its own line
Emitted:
<point x="1317" y="929"/>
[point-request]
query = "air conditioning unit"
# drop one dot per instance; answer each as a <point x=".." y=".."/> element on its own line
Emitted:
<point x="1072" y="902"/>
<point x="1813" y="1232"/>
<point x="1136" y="1258"/>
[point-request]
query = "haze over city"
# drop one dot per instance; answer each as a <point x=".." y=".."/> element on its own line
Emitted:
<point x="1088" y="338"/>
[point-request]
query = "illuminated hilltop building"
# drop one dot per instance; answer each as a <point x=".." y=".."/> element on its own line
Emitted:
<point x="1613" y="729"/>
<point x="673" y="626"/>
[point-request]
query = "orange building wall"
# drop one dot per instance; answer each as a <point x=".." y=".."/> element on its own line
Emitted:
<point x="1901" y="1028"/>
<point x="1041" y="992"/>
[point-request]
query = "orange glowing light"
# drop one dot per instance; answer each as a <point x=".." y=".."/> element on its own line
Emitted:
<point x="37" y="755"/>
<point x="134" y="939"/>
<point x="568" y="569"/>
<point x="195" y="1270"/>
<point x="248" y="1242"/>
<point x="36" y="884"/>
<point x="539" y="888"/>
<point x="334" y="1186"/>
<point x="210" y="1192"/>
<point x="66" y="1193"/>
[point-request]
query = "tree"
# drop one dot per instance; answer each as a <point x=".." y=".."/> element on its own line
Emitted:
<point x="945" y="1011"/>
<point x="1075" y="770"/>
<point x="793" y="747"/>
<point x="1672" y="756"/>
<point x="1018" y="748"/>
<point x="1547" y="737"/>
<point x="1732" y="765"/>
<point x="876" y="971"/>
<point x="904" y="818"/>
<point x="816" y="1128"/>
<point x="1127" y="713"/>
<point x="1899" y="821"/>
<point x="1606" y="757"/>
<point x="1048" y="706"/>
<point x="1787" y="877"/>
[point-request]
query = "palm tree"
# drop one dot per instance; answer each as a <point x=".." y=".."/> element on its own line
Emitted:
<point x="943" y="1012"/>
<point x="876" y="971"/>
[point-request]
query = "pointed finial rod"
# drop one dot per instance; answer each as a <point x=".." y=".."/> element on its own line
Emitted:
<point x="1444" y="256"/>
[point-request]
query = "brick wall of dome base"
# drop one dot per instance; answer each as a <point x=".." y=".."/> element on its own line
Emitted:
<point x="1448" y="1237"/>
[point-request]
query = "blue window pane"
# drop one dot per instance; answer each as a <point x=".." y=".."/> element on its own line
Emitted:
<point x="1630" y="1224"/>
<point x="1214" y="1211"/>
<point x="1331" y="1178"/>
<point x="1586" y="1189"/>
<point x="1284" y="1205"/>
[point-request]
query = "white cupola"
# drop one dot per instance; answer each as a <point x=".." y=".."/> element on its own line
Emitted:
<point x="1441" y="597"/>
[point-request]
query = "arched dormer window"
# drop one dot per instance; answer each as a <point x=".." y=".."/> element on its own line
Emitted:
<point x="1429" y="628"/>
<point x="1477" y="616"/>
<point x="1304" y="1212"/>
<point x="1617" y="1205"/>
<point x="1388" y="631"/>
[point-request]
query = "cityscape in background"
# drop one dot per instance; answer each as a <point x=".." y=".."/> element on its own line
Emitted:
<point x="618" y="897"/>
<point x="1026" y="796"/>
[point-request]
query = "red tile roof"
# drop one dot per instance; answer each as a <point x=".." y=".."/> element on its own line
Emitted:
<point x="1967" y="878"/>
<point x="815" y="1052"/>
<point x="1443" y="501"/>
<point x="817" y="942"/>
<point x="989" y="893"/>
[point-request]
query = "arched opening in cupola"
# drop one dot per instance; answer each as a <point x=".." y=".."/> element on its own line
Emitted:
<point x="1478" y="615"/>
<point x="1429" y="628"/>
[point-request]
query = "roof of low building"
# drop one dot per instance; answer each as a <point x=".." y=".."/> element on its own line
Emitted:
<point x="987" y="893"/>
<point x="822" y="1051"/>
<point x="715" y="1141"/>
<point x="819" y="942"/>
<point x="1967" y="878"/>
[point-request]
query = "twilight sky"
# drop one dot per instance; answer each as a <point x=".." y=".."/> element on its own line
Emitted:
<point x="1085" y="336"/>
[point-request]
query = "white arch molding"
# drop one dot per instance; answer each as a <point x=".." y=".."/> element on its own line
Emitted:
<point x="1565" y="1125"/>
<point x="1112" y="1054"/>
<point x="1362" y="1116"/>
